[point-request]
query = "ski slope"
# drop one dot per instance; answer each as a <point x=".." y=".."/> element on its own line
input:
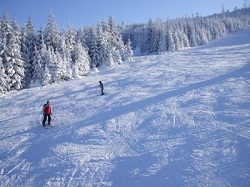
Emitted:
<point x="180" y="119"/>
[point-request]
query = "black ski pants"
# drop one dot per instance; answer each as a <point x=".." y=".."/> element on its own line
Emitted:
<point x="45" y="116"/>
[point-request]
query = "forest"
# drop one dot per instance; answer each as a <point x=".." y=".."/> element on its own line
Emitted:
<point x="159" y="37"/>
<point x="30" y="57"/>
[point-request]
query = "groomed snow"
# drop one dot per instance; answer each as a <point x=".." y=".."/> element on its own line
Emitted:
<point x="180" y="119"/>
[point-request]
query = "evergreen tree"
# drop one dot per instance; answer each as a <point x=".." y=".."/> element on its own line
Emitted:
<point x="28" y="44"/>
<point x="45" y="59"/>
<point x="56" y="50"/>
<point x="41" y="51"/>
<point x="5" y="33"/>
<point x="80" y="59"/>
<point x="64" y="58"/>
<point x="102" y="45"/>
<point x="51" y="34"/>
<point x="16" y="63"/>
<point x="162" y="47"/>
<point x="10" y="54"/>
<point x="82" y="36"/>
<point x="70" y="38"/>
<point x="36" y="68"/>
<point x="115" y="42"/>
<point x="191" y="33"/>
<point x="54" y="65"/>
<point x="93" y="49"/>
<point x="46" y="77"/>
<point x="116" y="57"/>
<point x="128" y="54"/>
<point x="120" y="47"/>
<point x="176" y="40"/>
<point x="156" y="36"/>
<point x="112" y="31"/>
<point x="170" y="41"/>
<point x="4" y="86"/>
<point x="147" y="44"/>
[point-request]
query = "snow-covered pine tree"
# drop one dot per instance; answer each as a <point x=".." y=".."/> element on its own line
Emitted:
<point x="64" y="58"/>
<point x="93" y="48"/>
<point x="184" y="39"/>
<point x="170" y="41"/>
<point x="102" y="45"/>
<point x="53" y="65"/>
<point x="120" y="47"/>
<point x="45" y="59"/>
<point x="28" y="43"/>
<point x="128" y="53"/>
<point x="112" y="32"/>
<point x="42" y="59"/>
<point x="201" y="38"/>
<point x="5" y="30"/>
<point x="82" y="36"/>
<point x="71" y="36"/>
<point x="104" y="26"/>
<point x="51" y="34"/>
<point x="156" y="36"/>
<point x="53" y="41"/>
<point x="50" y="64"/>
<point x="182" y="33"/>
<point x="36" y="68"/>
<point x="191" y="33"/>
<point x="4" y="86"/>
<point x="116" y="57"/>
<point x="80" y="60"/>
<point x="14" y="61"/>
<point x="46" y="77"/>
<point x="176" y="40"/>
<point x="110" y="61"/>
<point x="162" y="48"/>
<point x="115" y="42"/>
<point x="146" y="47"/>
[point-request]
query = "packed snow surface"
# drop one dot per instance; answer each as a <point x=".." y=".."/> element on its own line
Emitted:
<point x="180" y="119"/>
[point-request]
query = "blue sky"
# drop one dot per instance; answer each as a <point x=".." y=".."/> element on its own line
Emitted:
<point x="80" y="13"/>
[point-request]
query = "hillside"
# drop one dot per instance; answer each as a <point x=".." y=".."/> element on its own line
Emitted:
<point x="180" y="119"/>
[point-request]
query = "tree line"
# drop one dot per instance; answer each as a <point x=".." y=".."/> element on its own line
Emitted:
<point x="49" y="56"/>
<point x="159" y="37"/>
<point x="29" y="57"/>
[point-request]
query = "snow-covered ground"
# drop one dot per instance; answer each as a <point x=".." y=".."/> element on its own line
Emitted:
<point x="180" y="119"/>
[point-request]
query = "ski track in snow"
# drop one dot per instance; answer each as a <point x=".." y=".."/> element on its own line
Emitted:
<point x="180" y="119"/>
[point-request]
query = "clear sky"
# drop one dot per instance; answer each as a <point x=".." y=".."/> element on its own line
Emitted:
<point x="80" y="13"/>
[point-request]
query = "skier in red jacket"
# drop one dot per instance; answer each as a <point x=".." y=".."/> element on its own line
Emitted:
<point x="47" y="112"/>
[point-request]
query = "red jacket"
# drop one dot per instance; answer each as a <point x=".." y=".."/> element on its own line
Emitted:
<point x="47" y="109"/>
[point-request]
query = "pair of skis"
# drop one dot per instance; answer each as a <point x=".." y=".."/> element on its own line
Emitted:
<point x="47" y="126"/>
<point x="101" y="94"/>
